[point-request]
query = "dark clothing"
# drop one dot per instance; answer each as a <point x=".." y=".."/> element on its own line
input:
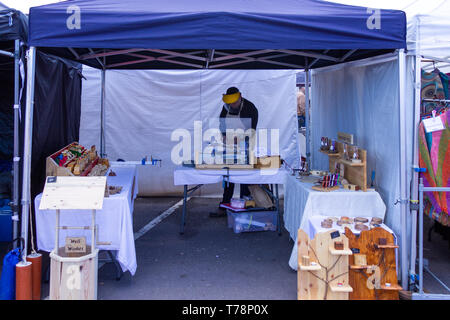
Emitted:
<point x="228" y="192"/>
<point x="248" y="111"/>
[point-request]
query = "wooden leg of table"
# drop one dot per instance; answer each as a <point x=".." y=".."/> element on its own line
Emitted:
<point x="184" y="210"/>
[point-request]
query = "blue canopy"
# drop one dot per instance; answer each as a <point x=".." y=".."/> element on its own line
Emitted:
<point x="230" y="27"/>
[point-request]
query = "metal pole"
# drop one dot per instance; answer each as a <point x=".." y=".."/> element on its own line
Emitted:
<point x="102" y="116"/>
<point x="28" y="136"/>
<point x="93" y="231"/>
<point x="414" y="186"/>
<point x="404" y="203"/>
<point x="16" y="158"/>
<point x="307" y="119"/>
<point x="58" y="215"/>
<point x="421" y="236"/>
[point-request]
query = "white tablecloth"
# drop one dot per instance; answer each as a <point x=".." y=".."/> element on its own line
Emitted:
<point x="114" y="221"/>
<point x="301" y="203"/>
<point x="188" y="176"/>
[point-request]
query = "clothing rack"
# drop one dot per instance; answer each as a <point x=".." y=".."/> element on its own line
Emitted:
<point x="421" y="295"/>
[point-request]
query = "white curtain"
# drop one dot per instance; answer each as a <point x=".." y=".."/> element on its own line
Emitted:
<point x="144" y="107"/>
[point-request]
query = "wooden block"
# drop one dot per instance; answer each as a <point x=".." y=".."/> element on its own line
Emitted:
<point x="305" y="261"/>
<point x="360" y="259"/>
<point x="361" y="226"/>
<point x="376" y="220"/>
<point x="269" y="162"/>
<point x="320" y="188"/>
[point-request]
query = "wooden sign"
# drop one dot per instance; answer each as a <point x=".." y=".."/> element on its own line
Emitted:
<point x="345" y="137"/>
<point x="75" y="245"/>
<point x="73" y="193"/>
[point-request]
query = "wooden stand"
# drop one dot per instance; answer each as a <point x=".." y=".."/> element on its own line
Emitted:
<point x="73" y="274"/>
<point x="354" y="172"/>
<point x="369" y="281"/>
<point x="328" y="279"/>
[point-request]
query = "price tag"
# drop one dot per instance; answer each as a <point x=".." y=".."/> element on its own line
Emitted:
<point x="335" y="234"/>
<point x="433" y="124"/>
<point x="51" y="179"/>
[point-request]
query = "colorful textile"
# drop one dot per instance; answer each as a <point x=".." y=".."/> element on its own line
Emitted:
<point x="435" y="157"/>
<point x="432" y="88"/>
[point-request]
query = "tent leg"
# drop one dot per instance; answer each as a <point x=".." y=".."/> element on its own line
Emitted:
<point x="404" y="199"/>
<point x="102" y="116"/>
<point x="183" y="215"/>
<point x="16" y="158"/>
<point x="415" y="178"/>
<point x="277" y="204"/>
<point x="28" y="136"/>
<point x="307" y="119"/>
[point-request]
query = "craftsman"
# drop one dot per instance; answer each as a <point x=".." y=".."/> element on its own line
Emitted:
<point x="236" y="107"/>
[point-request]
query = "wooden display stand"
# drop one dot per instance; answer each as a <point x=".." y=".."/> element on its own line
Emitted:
<point x="369" y="281"/>
<point x="354" y="172"/>
<point x="73" y="274"/>
<point x="323" y="266"/>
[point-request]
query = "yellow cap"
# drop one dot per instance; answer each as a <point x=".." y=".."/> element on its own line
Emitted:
<point x="231" y="98"/>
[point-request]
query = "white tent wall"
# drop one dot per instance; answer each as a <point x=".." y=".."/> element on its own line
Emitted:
<point x="144" y="107"/>
<point x="362" y="99"/>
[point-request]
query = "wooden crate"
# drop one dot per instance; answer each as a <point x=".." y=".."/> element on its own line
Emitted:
<point x="74" y="277"/>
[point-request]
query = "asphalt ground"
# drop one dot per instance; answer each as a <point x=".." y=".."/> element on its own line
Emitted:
<point x="211" y="262"/>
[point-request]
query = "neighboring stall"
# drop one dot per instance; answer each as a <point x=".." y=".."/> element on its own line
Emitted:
<point x="13" y="36"/>
<point x="239" y="34"/>
<point x="56" y="109"/>
<point x="429" y="50"/>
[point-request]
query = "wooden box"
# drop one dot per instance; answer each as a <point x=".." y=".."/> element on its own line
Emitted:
<point x="268" y="162"/>
<point x="74" y="277"/>
<point x="80" y="165"/>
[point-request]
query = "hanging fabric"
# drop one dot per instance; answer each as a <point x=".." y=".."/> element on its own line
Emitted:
<point x="433" y="88"/>
<point x="434" y="155"/>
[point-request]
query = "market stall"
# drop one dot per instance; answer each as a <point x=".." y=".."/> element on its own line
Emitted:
<point x="319" y="34"/>
<point x="429" y="49"/>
